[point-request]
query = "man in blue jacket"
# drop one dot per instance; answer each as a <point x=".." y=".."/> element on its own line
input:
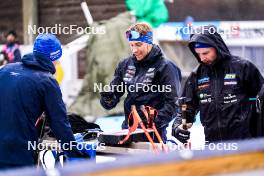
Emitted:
<point x="27" y="90"/>
<point x="144" y="75"/>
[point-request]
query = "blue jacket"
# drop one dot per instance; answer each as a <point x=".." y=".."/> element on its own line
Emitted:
<point x="27" y="90"/>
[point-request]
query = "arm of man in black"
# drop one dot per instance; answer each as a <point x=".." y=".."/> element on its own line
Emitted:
<point x="252" y="78"/>
<point x="253" y="81"/>
<point x="169" y="76"/>
<point x="192" y="109"/>
<point x="110" y="99"/>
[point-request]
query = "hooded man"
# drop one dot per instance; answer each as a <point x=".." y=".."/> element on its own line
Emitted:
<point x="220" y="88"/>
<point x="27" y="90"/>
<point x="145" y="75"/>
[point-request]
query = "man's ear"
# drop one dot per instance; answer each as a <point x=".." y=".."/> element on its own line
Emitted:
<point x="149" y="47"/>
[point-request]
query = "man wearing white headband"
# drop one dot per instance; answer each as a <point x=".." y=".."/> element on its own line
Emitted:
<point x="148" y="77"/>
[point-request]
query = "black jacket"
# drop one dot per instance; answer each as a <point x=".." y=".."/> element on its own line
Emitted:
<point x="154" y="69"/>
<point x="221" y="92"/>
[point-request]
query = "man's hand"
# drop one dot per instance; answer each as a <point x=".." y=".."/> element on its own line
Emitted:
<point x="107" y="95"/>
<point x="181" y="134"/>
<point x="108" y="99"/>
<point x="78" y="144"/>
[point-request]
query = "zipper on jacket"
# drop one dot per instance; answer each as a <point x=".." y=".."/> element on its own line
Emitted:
<point x="216" y="104"/>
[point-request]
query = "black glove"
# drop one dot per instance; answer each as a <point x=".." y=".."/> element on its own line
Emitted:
<point x="180" y="134"/>
<point x="107" y="95"/>
<point x="108" y="100"/>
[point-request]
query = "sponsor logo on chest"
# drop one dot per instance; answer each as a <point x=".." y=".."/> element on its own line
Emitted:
<point x="230" y="79"/>
<point x="203" y="83"/>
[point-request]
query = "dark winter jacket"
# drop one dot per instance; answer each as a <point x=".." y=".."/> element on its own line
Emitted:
<point x="221" y="92"/>
<point x="27" y="90"/>
<point x="154" y="69"/>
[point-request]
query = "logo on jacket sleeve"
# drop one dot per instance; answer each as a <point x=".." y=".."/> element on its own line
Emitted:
<point x="149" y="76"/>
<point x="130" y="73"/>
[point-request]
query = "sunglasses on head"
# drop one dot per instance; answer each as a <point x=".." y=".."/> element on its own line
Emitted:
<point x="131" y="34"/>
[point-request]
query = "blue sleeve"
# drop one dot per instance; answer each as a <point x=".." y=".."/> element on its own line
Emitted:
<point x="56" y="111"/>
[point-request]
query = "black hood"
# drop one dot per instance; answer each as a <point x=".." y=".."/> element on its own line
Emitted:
<point x="151" y="57"/>
<point x="44" y="64"/>
<point x="212" y="38"/>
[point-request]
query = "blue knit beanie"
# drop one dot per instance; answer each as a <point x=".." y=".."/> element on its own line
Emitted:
<point x="47" y="46"/>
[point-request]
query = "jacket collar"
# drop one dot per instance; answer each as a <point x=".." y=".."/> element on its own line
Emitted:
<point x="44" y="64"/>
